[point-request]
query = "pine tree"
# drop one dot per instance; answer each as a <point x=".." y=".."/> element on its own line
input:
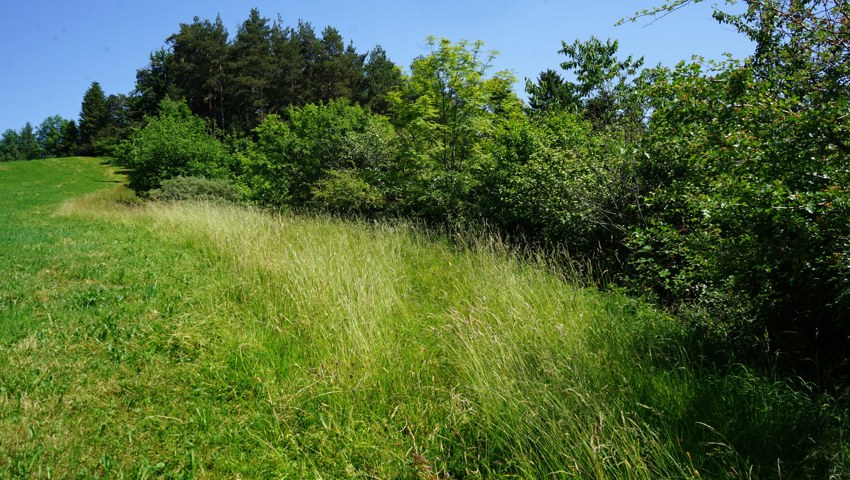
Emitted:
<point x="153" y="83"/>
<point x="287" y="76"/>
<point x="381" y="76"/>
<point x="70" y="139"/>
<point x="29" y="148"/>
<point x="200" y="57"/>
<point x="250" y="72"/>
<point x="94" y="117"/>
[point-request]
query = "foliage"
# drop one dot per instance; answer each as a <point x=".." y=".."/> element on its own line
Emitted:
<point x="174" y="143"/>
<point x="94" y="118"/>
<point x="249" y="73"/>
<point x="445" y="113"/>
<point x="28" y="146"/>
<point x="10" y="146"/>
<point x="198" y="189"/>
<point x="381" y="76"/>
<point x="745" y="183"/>
<point x="604" y="84"/>
<point x="265" y="68"/>
<point x="53" y="136"/>
<point x="346" y="192"/>
<point x="333" y="348"/>
<point x="550" y="94"/>
<point x="291" y="156"/>
<point x="557" y="181"/>
<point x="199" y="57"/>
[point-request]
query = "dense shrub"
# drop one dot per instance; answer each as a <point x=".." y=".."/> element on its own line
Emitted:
<point x="198" y="188"/>
<point x="294" y="159"/>
<point x="174" y="143"/>
<point x="746" y="209"/>
<point x="558" y="180"/>
<point x="345" y="191"/>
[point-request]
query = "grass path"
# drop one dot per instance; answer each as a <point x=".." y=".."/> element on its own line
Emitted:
<point x="198" y="341"/>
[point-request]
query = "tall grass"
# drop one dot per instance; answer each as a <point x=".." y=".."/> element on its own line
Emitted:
<point x="272" y="345"/>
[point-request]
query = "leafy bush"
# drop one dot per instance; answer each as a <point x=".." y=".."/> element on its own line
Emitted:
<point x="198" y="188"/>
<point x="292" y="160"/>
<point x="174" y="143"/>
<point x="746" y="200"/>
<point x="559" y="181"/>
<point x="345" y="191"/>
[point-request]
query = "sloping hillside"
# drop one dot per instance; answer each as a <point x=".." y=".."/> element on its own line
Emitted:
<point x="194" y="340"/>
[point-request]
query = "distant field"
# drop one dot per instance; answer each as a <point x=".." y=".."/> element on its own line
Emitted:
<point x="197" y="341"/>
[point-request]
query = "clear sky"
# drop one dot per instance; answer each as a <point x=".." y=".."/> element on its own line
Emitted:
<point x="53" y="50"/>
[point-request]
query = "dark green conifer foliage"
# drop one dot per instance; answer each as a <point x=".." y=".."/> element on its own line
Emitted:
<point x="29" y="148"/>
<point x="249" y="72"/>
<point x="70" y="139"/>
<point x="380" y="77"/>
<point x="287" y="78"/>
<point x="94" y="117"/>
<point x="200" y="52"/>
<point x="155" y="82"/>
<point x="551" y="93"/>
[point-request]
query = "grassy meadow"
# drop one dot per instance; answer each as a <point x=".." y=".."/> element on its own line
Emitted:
<point x="186" y="340"/>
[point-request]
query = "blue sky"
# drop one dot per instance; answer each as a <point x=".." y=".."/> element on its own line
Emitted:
<point x="53" y="50"/>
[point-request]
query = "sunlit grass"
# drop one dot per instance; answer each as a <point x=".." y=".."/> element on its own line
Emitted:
<point x="190" y="340"/>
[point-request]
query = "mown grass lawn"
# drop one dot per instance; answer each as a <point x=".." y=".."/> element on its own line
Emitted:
<point x="201" y="341"/>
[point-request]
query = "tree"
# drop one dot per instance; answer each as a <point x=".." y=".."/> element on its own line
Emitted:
<point x="10" y="146"/>
<point x="445" y="113"/>
<point x="154" y="83"/>
<point x="310" y="47"/>
<point x="550" y="94"/>
<point x="287" y="84"/>
<point x="50" y="136"/>
<point x="604" y="85"/>
<point x="200" y="56"/>
<point x="339" y="70"/>
<point x="746" y="187"/>
<point x="70" y="139"/>
<point x="381" y="77"/>
<point x="250" y="71"/>
<point x="94" y="118"/>
<point x="29" y="148"/>
<point x="174" y="143"/>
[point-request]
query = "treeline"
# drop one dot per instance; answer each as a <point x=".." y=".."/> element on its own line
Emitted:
<point x="717" y="190"/>
<point x="264" y="69"/>
<point x="233" y="82"/>
<point x="55" y="137"/>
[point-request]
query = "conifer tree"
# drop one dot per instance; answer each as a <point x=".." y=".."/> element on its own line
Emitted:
<point x="94" y="117"/>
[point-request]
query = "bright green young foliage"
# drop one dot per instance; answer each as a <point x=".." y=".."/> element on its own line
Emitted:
<point x="445" y="114"/>
<point x="174" y="143"/>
